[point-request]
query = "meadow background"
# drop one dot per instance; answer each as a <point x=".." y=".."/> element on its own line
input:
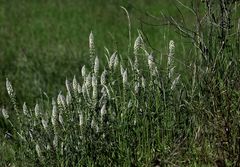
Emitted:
<point x="43" y="43"/>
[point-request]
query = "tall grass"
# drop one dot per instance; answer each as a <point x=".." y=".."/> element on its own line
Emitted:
<point x="139" y="111"/>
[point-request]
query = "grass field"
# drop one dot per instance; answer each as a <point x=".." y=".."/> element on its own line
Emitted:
<point x="173" y="104"/>
<point x="39" y="38"/>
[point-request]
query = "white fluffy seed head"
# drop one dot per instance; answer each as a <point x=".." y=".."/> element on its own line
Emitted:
<point x="171" y="72"/>
<point x="84" y="90"/>
<point x="124" y="77"/>
<point x="103" y="77"/>
<point x="94" y="81"/>
<point x="135" y="65"/>
<point x="48" y="147"/>
<point x="83" y="71"/>
<point x="96" y="66"/>
<point x="75" y="84"/>
<point x="91" y="44"/>
<point x="112" y="59"/>
<point x="54" y="114"/>
<point x="55" y="141"/>
<point x="151" y="64"/>
<point x="5" y="113"/>
<point x="121" y="69"/>
<point x="79" y="88"/>
<point x="68" y="98"/>
<point x="61" y="101"/>
<point x="137" y="87"/>
<point x="171" y="47"/>
<point x="143" y="82"/>
<point x="38" y="150"/>
<point x="37" y="110"/>
<point x="94" y="85"/>
<point x="116" y="62"/>
<point x="150" y="61"/>
<point x="68" y="85"/>
<point x="94" y="125"/>
<point x="171" y="53"/>
<point x="44" y="124"/>
<point x="130" y="103"/>
<point x="80" y="120"/>
<point x="138" y="44"/>
<point x="175" y="82"/>
<point x="10" y="89"/>
<point x="60" y="118"/>
<point x="88" y="81"/>
<point x="103" y="110"/>
<point x="25" y="109"/>
<point x="62" y="148"/>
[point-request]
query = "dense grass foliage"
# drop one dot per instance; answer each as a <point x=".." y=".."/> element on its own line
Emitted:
<point x="42" y="42"/>
<point x="125" y="102"/>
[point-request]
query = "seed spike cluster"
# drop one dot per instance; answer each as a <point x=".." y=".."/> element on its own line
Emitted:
<point x="83" y="71"/>
<point x="25" y="109"/>
<point x="37" y="110"/>
<point x="92" y="102"/>
<point x="10" y="90"/>
<point x="138" y="44"/>
<point x="112" y="60"/>
<point x="5" y="113"/>
<point x="91" y="47"/>
<point x="96" y="66"/>
<point x="54" y="114"/>
<point x="171" y="57"/>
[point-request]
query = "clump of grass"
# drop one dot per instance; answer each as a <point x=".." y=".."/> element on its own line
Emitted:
<point x="124" y="116"/>
<point x="136" y="112"/>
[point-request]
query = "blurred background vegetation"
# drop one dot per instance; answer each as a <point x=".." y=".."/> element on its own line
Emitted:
<point x="43" y="42"/>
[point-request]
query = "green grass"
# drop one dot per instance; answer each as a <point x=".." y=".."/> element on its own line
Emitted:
<point x="192" y="123"/>
<point x="42" y="43"/>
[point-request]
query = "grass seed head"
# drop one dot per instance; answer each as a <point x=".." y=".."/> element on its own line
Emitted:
<point x="75" y="84"/>
<point x="25" y="109"/>
<point x="116" y="62"/>
<point x="171" y="53"/>
<point x="96" y="66"/>
<point x="61" y="101"/>
<point x="103" y="78"/>
<point x="103" y="110"/>
<point x="60" y="118"/>
<point x="112" y="60"/>
<point x="143" y="82"/>
<point x="124" y="77"/>
<point x="88" y="81"/>
<point x="37" y="110"/>
<point x="174" y="83"/>
<point x="39" y="152"/>
<point x="68" y="98"/>
<point x="68" y="86"/>
<point x="151" y="64"/>
<point x="54" y="114"/>
<point x="79" y="88"/>
<point x="80" y="120"/>
<point x="10" y="90"/>
<point x="83" y="71"/>
<point x="94" y="85"/>
<point x="121" y="69"/>
<point x="5" y="113"/>
<point x="55" y="141"/>
<point x="137" y="87"/>
<point x="91" y="47"/>
<point x="44" y="123"/>
<point x="137" y="44"/>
